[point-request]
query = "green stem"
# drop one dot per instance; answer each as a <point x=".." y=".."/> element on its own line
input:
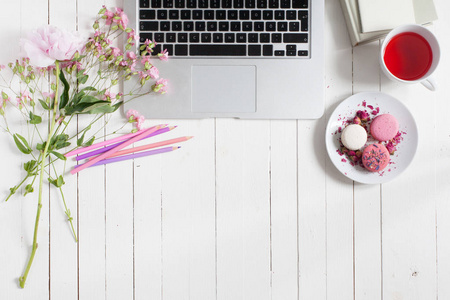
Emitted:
<point x="14" y="189"/>
<point x="69" y="216"/>
<point x="23" y="278"/>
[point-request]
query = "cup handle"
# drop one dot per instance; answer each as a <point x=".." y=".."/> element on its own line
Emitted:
<point x="429" y="83"/>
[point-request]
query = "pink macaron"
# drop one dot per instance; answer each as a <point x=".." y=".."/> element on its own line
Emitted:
<point x="375" y="157"/>
<point x="384" y="127"/>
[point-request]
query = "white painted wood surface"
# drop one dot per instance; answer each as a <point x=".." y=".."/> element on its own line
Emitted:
<point x="245" y="210"/>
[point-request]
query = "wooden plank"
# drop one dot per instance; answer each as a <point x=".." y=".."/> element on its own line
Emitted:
<point x="13" y="258"/>
<point x="338" y="189"/>
<point x="243" y="209"/>
<point x="91" y="197"/>
<point x="188" y="213"/>
<point x="283" y="210"/>
<point x="63" y="248"/>
<point x="408" y="224"/>
<point x="442" y="157"/>
<point x="367" y="198"/>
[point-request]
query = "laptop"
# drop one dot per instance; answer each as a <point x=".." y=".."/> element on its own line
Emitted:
<point x="249" y="59"/>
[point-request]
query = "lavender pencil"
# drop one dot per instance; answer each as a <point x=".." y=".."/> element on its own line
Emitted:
<point x="136" y="155"/>
<point x="101" y="150"/>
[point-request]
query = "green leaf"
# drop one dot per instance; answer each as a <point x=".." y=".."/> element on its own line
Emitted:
<point x="22" y="144"/>
<point x="30" y="166"/>
<point x="41" y="147"/>
<point x="89" y="99"/>
<point x="28" y="189"/>
<point x="34" y="119"/>
<point x="64" y="99"/>
<point x="90" y="142"/>
<point x="58" y="155"/>
<point x="81" y="139"/>
<point x="82" y="78"/>
<point x="44" y="105"/>
<point x="59" y="141"/>
<point x="57" y="182"/>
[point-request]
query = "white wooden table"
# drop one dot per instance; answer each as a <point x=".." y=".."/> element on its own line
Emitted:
<point x="245" y="210"/>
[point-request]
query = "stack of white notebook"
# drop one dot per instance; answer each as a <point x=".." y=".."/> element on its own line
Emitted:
<point x="369" y="20"/>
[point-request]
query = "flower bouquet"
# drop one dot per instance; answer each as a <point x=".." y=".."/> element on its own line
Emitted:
<point x="65" y="75"/>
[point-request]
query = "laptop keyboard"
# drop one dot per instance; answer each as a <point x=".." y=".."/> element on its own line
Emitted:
<point x="227" y="28"/>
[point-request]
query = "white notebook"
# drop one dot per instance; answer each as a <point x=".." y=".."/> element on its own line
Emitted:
<point x="386" y="14"/>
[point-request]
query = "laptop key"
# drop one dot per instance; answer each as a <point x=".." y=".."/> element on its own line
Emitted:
<point x="295" y="37"/>
<point x="256" y="15"/>
<point x="250" y="4"/>
<point x="217" y="50"/>
<point x="200" y="26"/>
<point x="247" y="26"/>
<point x="274" y="3"/>
<point x="177" y="26"/>
<point x="244" y="15"/>
<point x="182" y="37"/>
<point x="197" y="14"/>
<point x="194" y="37"/>
<point x="185" y="15"/>
<point x="221" y="15"/>
<point x="144" y="4"/>
<point x="202" y="3"/>
<point x="285" y="3"/>
<point x="261" y="3"/>
<point x="229" y="37"/>
<point x="291" y="15"/>
<point x="276" y="38"/>
<point x="181" y="50"/>
<point x="147" y="14"/>
<point x="145" y="36"/>
<point x="224" y="26"/>
<point x="294" y="26"/>
<point x="235" y="26"/>
<point x="267" y="50"/>
<point x="211" y="26"/>
<point x="214" y="3"/>
<point x="164" y="26"/>
<point x="271" y="26"/>
<point x="302" y="52"/>
<point x="259" y="26"/>
<point x="254" y="50"/>
<point x="279" y="15"/>
<point x="209" y="14"/>
<point x="148" y="25"/>
<point x="168" y="3"/>
<point x="206" y="37"/>
<point x="267" y="15"/>
<point x="170" y="37"/>
<point x="282" y="26"/>
<point x="174" y="14"/>
<point x="162" y="14"/>
<point x="188" y="26"/>
<point x="179" y="4"/>
<point x="156" y="3"/>
<point x="232" y="15"/>
<point x="227" y="3"/>
<point x="303" y="17"/>
<point x="159" y="37"/>
<point x="191" y="3"/>
<point x="264" y="37"/>
<point x="218" y="37"/>
<point x="238" y="3"/>
<point x="169" y="49"/>
<point x="299" y="3"/>
<point x="252" y="37"/>
<point x="241" y="38"/>
<point x="279" y="52"/>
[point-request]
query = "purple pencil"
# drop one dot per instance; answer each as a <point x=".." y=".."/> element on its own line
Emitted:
<point x="135" y="155"/>
<point x="101" y="150"/>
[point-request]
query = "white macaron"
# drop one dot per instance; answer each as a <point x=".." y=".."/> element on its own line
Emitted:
<point x="354" y="137"/>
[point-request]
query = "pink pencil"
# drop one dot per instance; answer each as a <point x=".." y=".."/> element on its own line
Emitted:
<point x="104" y="143"/>
<point x="150" y="146"/>
<point x="114" y="150"/>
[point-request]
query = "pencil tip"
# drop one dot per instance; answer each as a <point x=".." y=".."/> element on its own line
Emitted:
<point x="189" y="137"/>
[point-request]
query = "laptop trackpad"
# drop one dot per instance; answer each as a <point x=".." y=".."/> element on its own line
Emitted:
<point x="223" y="89"/>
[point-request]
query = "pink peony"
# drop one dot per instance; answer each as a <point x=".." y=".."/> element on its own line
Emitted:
<point x="47" y="44"/>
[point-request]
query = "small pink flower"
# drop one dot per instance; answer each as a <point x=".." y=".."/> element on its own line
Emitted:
<point x="164" y="55"/>
<point x="131" y="114"/>
<point x="140" y="122"/>
<point x="160" y="86"/>
<point x="109" y="95"/>
<point x="153" y="72"/>
<point x="115" y="51"/>
<point x="131" y="55"/>
<point x="123" y="21"/>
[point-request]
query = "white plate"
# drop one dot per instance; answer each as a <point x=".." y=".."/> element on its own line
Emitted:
<point x="406" y="149"/>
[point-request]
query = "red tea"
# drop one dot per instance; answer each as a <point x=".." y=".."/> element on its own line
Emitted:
<point x="408" y="56"/>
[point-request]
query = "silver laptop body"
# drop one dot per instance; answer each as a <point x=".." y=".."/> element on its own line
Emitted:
<point x="243" y="86"/>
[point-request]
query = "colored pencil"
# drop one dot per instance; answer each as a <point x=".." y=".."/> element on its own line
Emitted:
<point x="136" y="155"/>
<point x="102" y="150"/>
<point x="151" y="146"/>
<point x="114" y="150"/>
<point x="104" y="143"/>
